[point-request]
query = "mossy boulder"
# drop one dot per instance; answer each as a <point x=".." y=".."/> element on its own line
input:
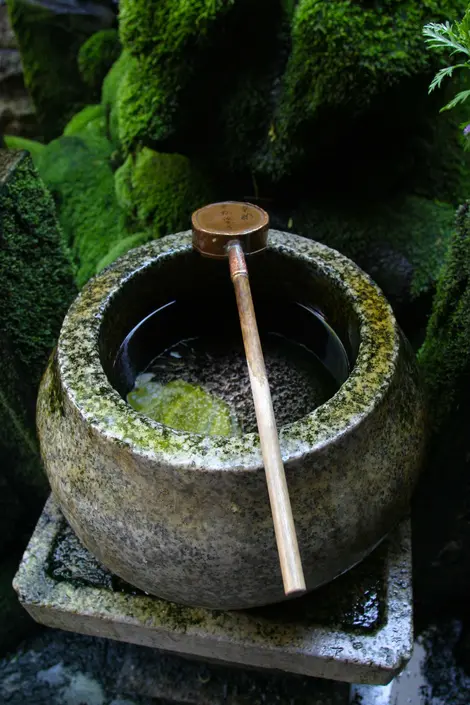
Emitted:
<point x="123" y="246"/>
<point x="401" y="242"/>
<point x="96" y="57"/>
<point x="445" y="355"/>
<point x="187" y="58"/>
<point x="345" y="59"/>
<point x="441" y="528"/>
<point x="160" y="191"/>
<point x="36" y="288"/>
<point x="78" y="170"/>
<point x="49" y="42"/>
<point x="109" y="95"/>
<point x="312" y="75"/>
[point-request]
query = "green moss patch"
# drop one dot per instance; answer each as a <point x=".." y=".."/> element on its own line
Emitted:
<point x="96" y="57"/>
<point x="160" y="191"/>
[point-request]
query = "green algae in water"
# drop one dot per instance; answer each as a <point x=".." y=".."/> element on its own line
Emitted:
<point x="201" y="384"/>
<point x="183" y="406"/>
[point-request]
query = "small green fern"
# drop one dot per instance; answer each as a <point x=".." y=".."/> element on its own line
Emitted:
<point x="454" y="38"/>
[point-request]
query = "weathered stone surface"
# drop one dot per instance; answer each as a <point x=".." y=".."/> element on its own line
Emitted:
<point x="187" y="517"/>
<point x="357" y="629"/>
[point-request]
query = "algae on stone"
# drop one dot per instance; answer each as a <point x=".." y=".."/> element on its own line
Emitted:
<point x="183" y="406"/>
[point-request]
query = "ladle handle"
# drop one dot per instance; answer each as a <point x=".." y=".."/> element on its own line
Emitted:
<point x="286" y="538"/>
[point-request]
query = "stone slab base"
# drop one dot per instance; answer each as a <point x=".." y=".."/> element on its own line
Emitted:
<point x="357" y="629"/>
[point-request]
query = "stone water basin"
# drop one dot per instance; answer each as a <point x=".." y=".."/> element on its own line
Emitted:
<point x="185" y="516"/>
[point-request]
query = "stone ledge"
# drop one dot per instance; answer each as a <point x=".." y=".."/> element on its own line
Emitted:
<point x="292" y="637"/>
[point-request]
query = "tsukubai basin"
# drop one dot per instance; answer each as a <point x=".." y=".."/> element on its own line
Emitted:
<point x="186" y="517"/>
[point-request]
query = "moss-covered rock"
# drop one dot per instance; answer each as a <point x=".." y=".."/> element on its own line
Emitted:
<point x="21" y="143"/>
<point x="345" y="56"/>
<point x="49" y="42"/>
<point x="401" y="242"/>
<point x="36" y="287"/>
<point x="445" y="355"/>
<point x="96" y="57"/>
<point x="109" y="95"/>
<point x="186" y="59"/>
<point x="441" y="531"/>
<point x="77" y="170"/>
<point x="123" y="246"/>
<point x="158" y="192"/>
<point x="313" y="75"/>
<point x="91" y="120"/>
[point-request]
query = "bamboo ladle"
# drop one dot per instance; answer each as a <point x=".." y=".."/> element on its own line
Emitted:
<point x="229" y="230"/>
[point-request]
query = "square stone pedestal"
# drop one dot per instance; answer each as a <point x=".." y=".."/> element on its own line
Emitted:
<point x="357" y="629"/>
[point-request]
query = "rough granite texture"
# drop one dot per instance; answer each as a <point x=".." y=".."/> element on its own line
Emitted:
<point x="187" y="517"/>
<point x="357" y="629"/>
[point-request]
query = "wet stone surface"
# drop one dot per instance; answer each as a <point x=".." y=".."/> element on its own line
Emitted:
<point x="356" y="629"/>
<point x="356" y="601"/>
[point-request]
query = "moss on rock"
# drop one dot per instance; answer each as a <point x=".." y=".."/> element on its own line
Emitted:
<point x="123" y="246"/>
<point x="445" y="355"/>
<point x="91" y="120"/>
<point x="185" y="58"/>
<point x="21" y="143"/>
<point x="411" y="234"/>
<point x="77" y="170"/>
<point x="109" y="94"/>
<point x="96" y="57"/>
<point x="49" y="44"/>
<point x="36" y="288"/>
<point x="158" y="192"/>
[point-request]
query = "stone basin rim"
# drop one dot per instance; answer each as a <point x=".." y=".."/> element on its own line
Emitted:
<point x="104" y="410"/>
